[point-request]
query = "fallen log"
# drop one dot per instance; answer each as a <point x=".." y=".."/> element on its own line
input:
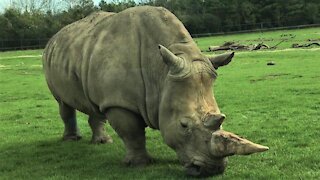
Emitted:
<point x="229" y="46"/>
<point x="305" y="45"/>
<point x="260" y="46"/>
<point x="235" y="46"/>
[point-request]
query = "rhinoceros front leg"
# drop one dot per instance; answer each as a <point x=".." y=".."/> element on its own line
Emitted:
<point x="99" y="135"/>
<point x="68" y="115"/>
<point x="131" y="129"/>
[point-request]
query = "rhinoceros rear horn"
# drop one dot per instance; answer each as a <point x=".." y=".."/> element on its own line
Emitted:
<point x="221" y="60"/>
<point x="214" y="121"/>
<point x="224" y="144"/>
<point x="175" y="63"/>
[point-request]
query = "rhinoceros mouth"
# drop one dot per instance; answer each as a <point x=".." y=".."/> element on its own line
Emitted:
<point x="202" y="169"/>
<point x="193" y="169"/>
<point x="196" y="168"/>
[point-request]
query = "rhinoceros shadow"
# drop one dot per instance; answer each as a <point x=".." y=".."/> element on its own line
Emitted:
<point x="57" y="159"/>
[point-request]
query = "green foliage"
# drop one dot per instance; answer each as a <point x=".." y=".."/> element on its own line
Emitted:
<point x="116" y="6"/>
<point x="235" y="15"/>
<point x="199" y="16"/>
<point x="17" y="24"/>
<point x="277" y="106"/>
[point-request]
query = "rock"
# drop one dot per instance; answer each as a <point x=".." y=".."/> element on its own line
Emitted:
<point x="271" y="63"/>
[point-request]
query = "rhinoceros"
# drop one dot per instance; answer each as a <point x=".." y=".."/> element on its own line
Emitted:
<point x="140" y="68"/>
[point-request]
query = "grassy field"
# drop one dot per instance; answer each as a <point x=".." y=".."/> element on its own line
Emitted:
<point x="277" y="106"/>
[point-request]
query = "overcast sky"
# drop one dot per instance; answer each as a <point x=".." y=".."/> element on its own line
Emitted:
<point x="5" y="3"/>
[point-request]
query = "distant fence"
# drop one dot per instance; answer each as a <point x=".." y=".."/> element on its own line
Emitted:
<point x="21" y="44"/>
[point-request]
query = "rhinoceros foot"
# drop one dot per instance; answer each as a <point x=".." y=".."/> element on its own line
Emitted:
<point x="103" y="139"/>
<point x="142" y="160"/>
<point x="73" y="137"/>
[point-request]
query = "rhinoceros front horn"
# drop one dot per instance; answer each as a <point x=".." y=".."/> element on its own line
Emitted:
<point x="175" y="63"/>
<point x="224" y="144"/>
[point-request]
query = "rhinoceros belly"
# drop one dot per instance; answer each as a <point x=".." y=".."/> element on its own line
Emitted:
<point x="68" y="89"/>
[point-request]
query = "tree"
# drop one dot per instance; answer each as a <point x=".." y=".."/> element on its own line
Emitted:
<point x="29" y="19"/>
<point x="116" y="6"/>
<point x="78" y="9"/>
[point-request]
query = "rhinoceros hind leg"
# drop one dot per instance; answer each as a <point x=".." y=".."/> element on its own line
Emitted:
<point x="68" y="115"/>
<point x="131" y="129"/>
<point x="99" y="135"/>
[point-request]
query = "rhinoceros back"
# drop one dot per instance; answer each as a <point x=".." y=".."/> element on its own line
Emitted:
<point x="112" y="60"/>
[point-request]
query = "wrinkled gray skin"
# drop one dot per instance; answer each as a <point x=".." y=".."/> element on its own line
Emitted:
<point x="111" y="65"/>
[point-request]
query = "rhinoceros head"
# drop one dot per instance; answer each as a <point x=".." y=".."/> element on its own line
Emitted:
<point x="190" y="120"/>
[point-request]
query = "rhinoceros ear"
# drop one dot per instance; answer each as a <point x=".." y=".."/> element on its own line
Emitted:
<point x="175" y="63"/>
<point x="221" y="60"/>
<point x="224" y="144"/>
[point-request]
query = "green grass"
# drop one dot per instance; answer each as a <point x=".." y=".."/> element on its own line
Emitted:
<point x="277" y="106"/>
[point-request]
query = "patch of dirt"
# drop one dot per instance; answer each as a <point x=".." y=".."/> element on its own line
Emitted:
<point x="36" y="65"/>
<point x="296" y="76"/>
<point x="25" y="56"/>
<point x="304" y="91"/>
<point x="315" y="77"/>
<point x="287" y="35"/>
<point x="4" y="67"/>
<point x="26" y="73"/>
<point x="260" y="40"/>
<point x="275" y="76"/>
